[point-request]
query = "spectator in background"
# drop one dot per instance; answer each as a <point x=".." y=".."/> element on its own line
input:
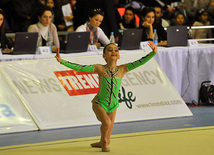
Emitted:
<point x="202" y="20"/>
<point x="71" y="17"/>
<point x="148" y="24"/>
<point x="42" y="2"/>
<point x="170" y="7"/>
<point x="128" y="19"/>
<point x="179" y="19"/>
<point x="5" y="43"/>
<point x="24" y="13"/>
<point x="109" y="23"/>
<point x="45" y="27"/>
<point x="190" y="11"/>
<point x="73" y="2"/>
<point x="159" y="16"/>
<point x="6" y="6"/>
<point x="117" y="13"/>
<point x="57" y="18"/>
<point x="201" y="4"/>
<point x="211" y="16"/>
<point x="92" y="25"/>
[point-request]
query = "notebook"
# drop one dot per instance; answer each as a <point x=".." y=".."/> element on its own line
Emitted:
<point x="177" y="36"/>
<point x="25" y="43"/>
<point x="77" y="42"/>
<point x="130" y="39"/>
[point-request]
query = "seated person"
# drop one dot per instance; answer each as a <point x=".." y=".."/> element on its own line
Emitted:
<point x="92" y="25"/>
<point x="148" y="24"/>
<point x="57" y="17"/>
<point x="45" y="27"/>
<point x="202" y="20"/>
<point x="179" y="19"/>
<point x="159" y="16"/>
<point x="128" y="19"/>
<point x="5" y="43"/>
<point x="71" y="17"/>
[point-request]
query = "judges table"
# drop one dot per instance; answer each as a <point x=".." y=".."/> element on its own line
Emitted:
<point x="186" y="67"/>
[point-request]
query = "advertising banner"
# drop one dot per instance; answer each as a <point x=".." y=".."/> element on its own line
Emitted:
<point x="13" y="115"/>
<point x="57" y="96"/>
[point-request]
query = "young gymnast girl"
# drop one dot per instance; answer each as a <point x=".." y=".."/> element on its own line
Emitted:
<point x="105" y="103"/>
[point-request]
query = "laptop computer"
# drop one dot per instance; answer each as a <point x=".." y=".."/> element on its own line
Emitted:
<point x="77" y="42"/>
<point x="25" y="43"/>
<point x="130" y="39"/>
<point x="177" y="36"/>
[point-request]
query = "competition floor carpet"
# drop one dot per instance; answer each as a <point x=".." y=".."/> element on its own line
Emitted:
<point x="188" y="141"/>
<point x="175" y="136"/>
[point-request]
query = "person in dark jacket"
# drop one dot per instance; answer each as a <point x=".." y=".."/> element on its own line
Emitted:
<point x="128" y="19"/>
<point x="24" y="13"/>
<point x="148" y="24"/>
<point x="5" y="43"/>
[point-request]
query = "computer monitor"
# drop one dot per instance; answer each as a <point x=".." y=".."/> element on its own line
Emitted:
<point x="77" y="42"/>
<point x="177" y="36"/>
<point x="130" y="39"/>
<point x="25" y="43"/>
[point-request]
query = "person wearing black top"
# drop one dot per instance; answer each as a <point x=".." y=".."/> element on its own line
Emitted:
<point x="148" y="24"/>
<point x="5" y="43"/>
<point x="128" y="19"/>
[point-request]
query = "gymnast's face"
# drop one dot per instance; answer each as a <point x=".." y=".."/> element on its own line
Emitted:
<point x="111" y="52"/>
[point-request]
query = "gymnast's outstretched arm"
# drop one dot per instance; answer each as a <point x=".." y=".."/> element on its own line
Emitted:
<point x="143" y="60"/>
<point x="74" y="66"/>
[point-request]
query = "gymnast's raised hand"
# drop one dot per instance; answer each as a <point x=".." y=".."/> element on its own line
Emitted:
<point x="58" y="58"/>
<point x="153" y="46"/>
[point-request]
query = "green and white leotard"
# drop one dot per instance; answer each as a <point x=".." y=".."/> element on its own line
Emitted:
<point x="109" y="80"/>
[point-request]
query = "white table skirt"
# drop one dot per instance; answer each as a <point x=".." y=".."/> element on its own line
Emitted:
<point x="187" y="68"/>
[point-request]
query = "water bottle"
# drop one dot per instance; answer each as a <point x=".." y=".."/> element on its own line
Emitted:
<point x="49" y="42"/>
<point x="39" y="41"/>
<point x="155" y="37"/>
<point x="190" y="33"/>
<point x="92" y="40"/>
<point x="112" y="39"/>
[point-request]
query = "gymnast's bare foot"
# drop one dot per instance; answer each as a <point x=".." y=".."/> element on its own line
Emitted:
<point x="106" y="149"/>
<point x="104" y="146"/>
<point x="97" y="144"/>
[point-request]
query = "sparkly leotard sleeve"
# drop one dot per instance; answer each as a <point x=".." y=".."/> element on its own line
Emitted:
<point x="77" y="67"/>
<point x="143" y="60"/>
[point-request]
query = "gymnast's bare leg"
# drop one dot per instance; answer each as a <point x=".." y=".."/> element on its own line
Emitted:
<point x="107" y="123"/>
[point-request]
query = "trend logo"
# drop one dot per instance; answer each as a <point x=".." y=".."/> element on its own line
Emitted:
<point x="78" y="83"/>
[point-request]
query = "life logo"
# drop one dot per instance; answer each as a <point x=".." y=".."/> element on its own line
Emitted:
<point x="78" y="83"/>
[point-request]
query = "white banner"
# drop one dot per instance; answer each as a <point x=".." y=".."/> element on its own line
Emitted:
<point x="57" y="96"/>
<point x="151" y="93"/>
<point x="13" y="115"/>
